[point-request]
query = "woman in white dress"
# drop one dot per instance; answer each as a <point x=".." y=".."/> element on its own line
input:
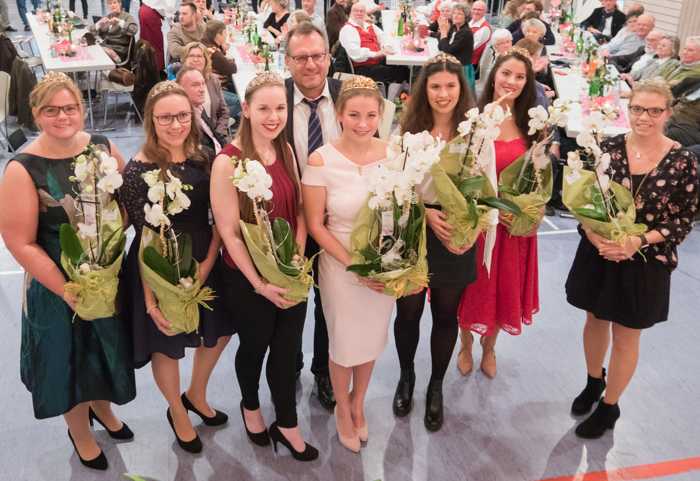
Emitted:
<point x="334" y="188"/>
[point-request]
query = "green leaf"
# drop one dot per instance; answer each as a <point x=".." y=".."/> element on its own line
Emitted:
<point x="471" y="185"/>
<point x="111" y="246"/>
<point x="160" y="265"/>
<point x="185" y="250"/>
<point x="284" y="242"/>
<point x="592" y="214"/>
<point x="364" y="270"/>
<point x="70" y="244"/>
<point x="501" y="204"/>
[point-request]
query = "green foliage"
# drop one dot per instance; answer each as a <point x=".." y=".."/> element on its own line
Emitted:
<point x="70" y="244"/>
<point x="187" y="266"/>
<point x="160" y="265"/>
<point x="113" y="246"/>
<point x="285" y="246"/>
<point x="501" y="204"/>
<point x="472" y="186"/>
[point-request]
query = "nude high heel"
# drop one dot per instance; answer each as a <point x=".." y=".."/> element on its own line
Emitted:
<point x="352" y="442"/>
<point x="465" y="363"/>
<point x="488" y="357"/>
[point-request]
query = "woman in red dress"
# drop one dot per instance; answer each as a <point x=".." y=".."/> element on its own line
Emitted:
<point x="506" y="298"/>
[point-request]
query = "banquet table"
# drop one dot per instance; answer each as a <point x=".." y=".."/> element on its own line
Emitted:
<point x="89" y="58"/>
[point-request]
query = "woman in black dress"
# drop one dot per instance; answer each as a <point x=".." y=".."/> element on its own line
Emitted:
<point x="456" y="38"/>
<point x="439" y="101"/>
<point x="172" y="144"/>
<point x="276" y="21"/>
<point x="621" y="290"/>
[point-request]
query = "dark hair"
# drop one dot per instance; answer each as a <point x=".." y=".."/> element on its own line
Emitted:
<point x="184" y="71"/>
<point x="305" y="28"/>
<point x="536" y="3"/>
<point x="635" y="13"/>
<point x="525" y="101"/>
<point x="189" y="4"/>
<point x="212" y="29"/>
<point x="418" y="115"/>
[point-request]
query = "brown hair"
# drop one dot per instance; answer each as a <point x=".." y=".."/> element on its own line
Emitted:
<point x="418" y="115"/>
<point x="536" y="3"/>
<point x="247" y="147"/>
<point x="207" y="58"/>
<point x="184" y="71"/>
<point x="532" y="47"/>
<point x="653" y="86"/>
<point x="48" y="87"/>
<point x="191" y="5"/>
<point x="212" y="29"/>
<point x="511" y="8"/>
<point x="152" y="150"/>
<point x="302" y="29"/>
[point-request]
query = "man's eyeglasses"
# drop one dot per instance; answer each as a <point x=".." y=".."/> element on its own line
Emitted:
<point x="53" y="110"/>
<point x="302" y="59"/>
<point x="167" y="119"/>
<point x="653" y="112"/>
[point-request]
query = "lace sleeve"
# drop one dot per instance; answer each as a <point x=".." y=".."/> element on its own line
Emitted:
<point x="133" y="193"/>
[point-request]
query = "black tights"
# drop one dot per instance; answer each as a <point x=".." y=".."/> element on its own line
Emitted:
<point x="443" y="305"/>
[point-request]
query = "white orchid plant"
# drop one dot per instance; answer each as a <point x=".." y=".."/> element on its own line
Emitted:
<point x="388" y="241"/>
<point x="93" y="242"/>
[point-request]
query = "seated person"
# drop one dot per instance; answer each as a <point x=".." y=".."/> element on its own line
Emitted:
<point x="222" y="67"/>
<point x="539" y="65"/>
<point x="189" y="29"/>
<point x="688" y="67"/>
<point x="366" y="48"/>
<point x="309" y="7"/>
<point x="531" y="9"/>
<point x="605" y="21"/>
<point x="501" y="42"/>
<point x="445" y="13"/>
<point x="511" y="11"/>
<point x="666" y="55"/>
<point x="204" y="14"/>
<point x="481" y="30"/>
<point x="631" y="42"/>
<point x="336" y="19"/>
<point x="457" y="39"/>
<point x="683" y="124"/>
<point x="117" y="30"/>
<point x="192" y="81"/>
<point x="641" y="57"/>
<point x="275" y="22"/>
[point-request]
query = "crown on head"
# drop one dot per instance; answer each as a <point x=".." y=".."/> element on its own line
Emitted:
<point x="54" y="77"/>
<point x="443" y="57"/>
<point x="520" y="51"/>
<point x="358" y="82"/>
<point x="265" y="78"/>
<point x="164" y="86"/>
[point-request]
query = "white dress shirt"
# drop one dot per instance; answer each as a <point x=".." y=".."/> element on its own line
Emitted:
<point x="301" y="113"/>
<point x="482" y="35"/>
<point x="607" y="29"/>
<point x="350" y="40"/>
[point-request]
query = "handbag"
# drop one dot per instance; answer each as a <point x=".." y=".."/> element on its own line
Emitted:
<point x="122" y="76"/>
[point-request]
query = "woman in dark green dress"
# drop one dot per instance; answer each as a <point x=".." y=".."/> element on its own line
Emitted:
<point x="72" y="367"/>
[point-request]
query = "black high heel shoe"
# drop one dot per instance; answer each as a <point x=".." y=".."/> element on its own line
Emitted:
<point x="194" y="446"/>
<point x="403" y="397"/>
<point x="261" y="439"/>
<point x="123" y="433"/>
<point x="217" y="419"/>
<point x="99" y="463"/>
<point x="589" y="396"/>
<point x="603" y="418"/>
<point x="433" y="406"/>
<point x="308" y="454"/>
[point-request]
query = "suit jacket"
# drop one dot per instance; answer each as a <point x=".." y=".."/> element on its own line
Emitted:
<point x="334" y="88"/>
<point x="623" y="63"/>
<point x="205" y="140"/>
<point x="219" y="109"/>
<point x="462" y="46"/>
<point x="597" y="21"/>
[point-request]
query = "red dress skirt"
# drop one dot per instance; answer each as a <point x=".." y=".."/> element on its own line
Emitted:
<point x="508" y="296"/>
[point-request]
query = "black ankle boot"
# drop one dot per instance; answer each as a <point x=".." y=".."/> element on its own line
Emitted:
<point x="433" y="406"/>
<point x="589" y="396"/>
<point x="403" y="397"/>
<point x="603" y="418"/>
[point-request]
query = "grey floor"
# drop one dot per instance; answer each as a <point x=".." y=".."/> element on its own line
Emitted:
<point x="515" y="427"/>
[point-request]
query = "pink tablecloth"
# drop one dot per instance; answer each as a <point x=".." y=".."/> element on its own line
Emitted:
<point x="620" y="121"/>
<point x="82" y="54"/>
<point x="244" y="54"/>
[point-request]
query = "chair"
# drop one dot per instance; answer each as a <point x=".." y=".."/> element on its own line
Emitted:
<point x="26" y="51"/>
<point x="387" y="119"/>
<point x="108" y="87"/>
<point x="4" y="104"/>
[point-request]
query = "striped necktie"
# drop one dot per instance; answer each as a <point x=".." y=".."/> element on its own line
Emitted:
<point x="315" y="135"/>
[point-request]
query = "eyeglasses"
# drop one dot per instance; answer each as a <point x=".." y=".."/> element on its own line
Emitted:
<point x="653" y="112"/>
<point x="53" y="110"/>
<point x="302" y="59"/>
<point x="167" y="119"/>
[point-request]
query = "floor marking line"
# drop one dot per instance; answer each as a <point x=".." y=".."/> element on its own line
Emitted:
<point x="644" y="471"/>
<point x="11" y="273"/>
<point x="550" y="223"/>
<point x="555" y="232"/>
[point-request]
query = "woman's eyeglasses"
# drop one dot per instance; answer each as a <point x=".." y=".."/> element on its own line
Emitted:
<point x="53" y="110"/>
<point x="167" y="119"/>
<point x="654" y="112"/>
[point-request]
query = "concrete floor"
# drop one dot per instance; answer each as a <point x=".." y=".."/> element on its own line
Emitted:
<point x="516" y="427"/>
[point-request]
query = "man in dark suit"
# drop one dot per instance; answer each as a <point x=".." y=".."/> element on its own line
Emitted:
<point x="194" y="85"/>
<point x="311" y="122"/>
<point x="605" y="21"/>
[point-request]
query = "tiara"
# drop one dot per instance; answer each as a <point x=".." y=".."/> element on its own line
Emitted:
<point x="358" y="82"/>
<point x="520" y="51"/>
<point x="264" y="78"/>
<point x="443" y="57"/>
<point x="54" y="77"/>
<point x="164" y="86"/>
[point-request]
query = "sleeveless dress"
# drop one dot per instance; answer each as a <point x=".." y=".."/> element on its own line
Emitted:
<point x="195" y="221"/>
<point x="508" y="296"/>
<point x="357" y="317"/>
<point x="66" y="361"/>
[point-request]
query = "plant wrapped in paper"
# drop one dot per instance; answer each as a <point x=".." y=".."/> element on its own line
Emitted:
<point x="92" y="245"/>
<point x="465" y="177"/>
<point x="388" y="241"/>
<point x="165" y="256"/>
<point x="527" y="182"/>
<point x="271" y="245"/>
<point x="597" y="202"/>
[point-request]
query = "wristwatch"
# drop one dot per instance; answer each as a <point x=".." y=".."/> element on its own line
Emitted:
<point x="644" y="241"/>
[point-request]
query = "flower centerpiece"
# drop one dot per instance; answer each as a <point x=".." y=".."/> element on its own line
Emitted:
<point x="271" y="244"/>
<point x="527" y="182"/>
<point x="165" y="256"/>
<point x="388" y="241"/>
<point x="92" y="244"/>
<point x="597" y="202"/>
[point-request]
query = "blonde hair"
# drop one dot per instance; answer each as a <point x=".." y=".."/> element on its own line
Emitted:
<point x="358" y="86"/>
<point x="653" y="86"/>
<point x="206" y="71"/>
<point x="297" y="17"/>
<point x="51" y="84"/>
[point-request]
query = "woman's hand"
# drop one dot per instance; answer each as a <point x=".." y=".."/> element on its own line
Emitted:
<point x="598" y="241"/>
<point x="275" y="295"/>
<point x="443" y="26"/>
<point x="505" y="218"/>
<point x="160" y="321"/>
<point x="614" y="252"/>
<point x="437" y="221"/>
<point x="70" y="299"/>
<point x="376" y="286"/>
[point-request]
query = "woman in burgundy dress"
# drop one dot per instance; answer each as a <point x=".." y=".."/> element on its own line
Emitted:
<point x="507" y="297"/>
<point x="264" y="319"/>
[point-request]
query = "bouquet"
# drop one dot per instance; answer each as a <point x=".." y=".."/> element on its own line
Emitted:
<point x="597" y="202"/>
<point x="388" y="241"/>
<point x="92" y="244"/>
<point x="465" y="177"/>
<point x="165" y="256"/>
<point x="527" y="182"/>
<point x="271" y="245"/>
